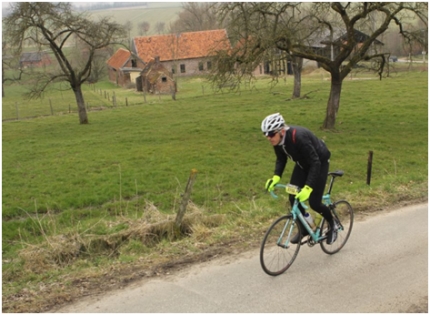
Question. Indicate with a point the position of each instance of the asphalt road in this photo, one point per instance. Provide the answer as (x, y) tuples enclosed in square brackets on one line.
[(382, 268)]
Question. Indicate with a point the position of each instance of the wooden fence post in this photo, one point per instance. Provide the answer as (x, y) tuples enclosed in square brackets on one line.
[(369, 167), (184, 202), (50, 105), (173, 92), (17, 111)]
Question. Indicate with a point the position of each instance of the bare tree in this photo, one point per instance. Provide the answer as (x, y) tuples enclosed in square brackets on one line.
[(128, 26), (159, 27), (56, 27), (144, 27), (196, 16), (11, 63), (325, 32), (252, 34)]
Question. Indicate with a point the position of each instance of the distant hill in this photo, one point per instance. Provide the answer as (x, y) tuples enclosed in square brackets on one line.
[(121, 12), (151, 12)]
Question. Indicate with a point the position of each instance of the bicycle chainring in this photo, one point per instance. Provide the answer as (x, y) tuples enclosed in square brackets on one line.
[(310, 241)]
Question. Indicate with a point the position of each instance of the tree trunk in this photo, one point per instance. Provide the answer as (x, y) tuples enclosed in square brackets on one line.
[(83, 118), (297, 64), (333, 102), (2, 82)]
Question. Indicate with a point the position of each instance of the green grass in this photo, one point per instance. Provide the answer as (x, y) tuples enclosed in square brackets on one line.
[(62, 178), (147, 151)]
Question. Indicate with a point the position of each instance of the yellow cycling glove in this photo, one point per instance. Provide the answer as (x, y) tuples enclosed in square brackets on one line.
[(271, 182), (304, 194)]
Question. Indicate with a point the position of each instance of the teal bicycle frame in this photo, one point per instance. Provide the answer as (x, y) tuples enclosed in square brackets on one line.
[(297, 214)]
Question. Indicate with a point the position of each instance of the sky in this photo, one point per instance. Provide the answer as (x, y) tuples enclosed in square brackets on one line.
[(5, 4)]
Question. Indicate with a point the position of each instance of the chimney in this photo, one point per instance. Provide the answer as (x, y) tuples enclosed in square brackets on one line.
[(157, 59)]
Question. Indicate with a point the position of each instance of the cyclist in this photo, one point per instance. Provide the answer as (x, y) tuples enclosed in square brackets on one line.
[(310, 172)]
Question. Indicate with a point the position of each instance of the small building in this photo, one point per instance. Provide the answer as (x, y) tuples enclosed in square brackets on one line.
[(124, 68), (34, 59), (156, 79)]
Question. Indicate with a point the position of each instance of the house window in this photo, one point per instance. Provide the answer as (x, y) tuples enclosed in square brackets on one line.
[(209, 65), (182, 68), (133, 63), (163, 79), (201, 66)]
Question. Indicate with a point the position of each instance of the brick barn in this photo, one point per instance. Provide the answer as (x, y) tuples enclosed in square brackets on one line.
[(34, 59), (157, 79)]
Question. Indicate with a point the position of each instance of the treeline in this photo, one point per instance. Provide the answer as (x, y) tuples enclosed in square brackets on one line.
[(108, 5)]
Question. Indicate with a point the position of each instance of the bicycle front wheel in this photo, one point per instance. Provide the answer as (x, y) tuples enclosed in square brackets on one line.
[(344, 218), (277, 253)]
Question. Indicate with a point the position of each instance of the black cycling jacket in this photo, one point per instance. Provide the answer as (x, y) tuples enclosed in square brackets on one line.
[(305, 149)]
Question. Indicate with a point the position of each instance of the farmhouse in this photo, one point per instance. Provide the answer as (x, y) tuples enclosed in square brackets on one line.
[(34, 59), (124, 68), (183, 54)]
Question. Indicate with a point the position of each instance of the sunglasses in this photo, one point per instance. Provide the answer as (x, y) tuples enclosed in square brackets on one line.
[(270, 134)]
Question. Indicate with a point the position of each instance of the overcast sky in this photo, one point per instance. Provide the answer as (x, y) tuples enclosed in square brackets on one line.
[(82, 3)]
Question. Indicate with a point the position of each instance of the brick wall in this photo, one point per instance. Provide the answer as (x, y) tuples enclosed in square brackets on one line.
[(187, 67)]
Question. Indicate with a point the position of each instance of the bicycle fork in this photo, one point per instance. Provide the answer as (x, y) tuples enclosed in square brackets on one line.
[(286, 244)]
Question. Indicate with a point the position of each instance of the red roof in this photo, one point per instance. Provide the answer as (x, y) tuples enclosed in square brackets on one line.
[(119, 58), (184, 46)]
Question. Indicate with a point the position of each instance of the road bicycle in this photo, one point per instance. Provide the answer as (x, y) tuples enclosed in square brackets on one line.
[(278, 253)]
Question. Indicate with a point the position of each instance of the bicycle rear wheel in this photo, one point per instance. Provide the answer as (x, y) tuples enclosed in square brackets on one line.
[(277, 253), (344, 218)]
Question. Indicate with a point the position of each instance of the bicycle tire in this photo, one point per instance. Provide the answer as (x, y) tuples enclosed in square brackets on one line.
[(275, 259), (343, 214)]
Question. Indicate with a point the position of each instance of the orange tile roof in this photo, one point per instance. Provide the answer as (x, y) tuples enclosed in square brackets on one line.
[(185, 46), (119, 58)]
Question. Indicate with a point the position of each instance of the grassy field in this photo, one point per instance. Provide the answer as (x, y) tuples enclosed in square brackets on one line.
[(64, 183)]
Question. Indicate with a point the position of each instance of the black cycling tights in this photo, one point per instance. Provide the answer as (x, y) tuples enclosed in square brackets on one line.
[(299, 177)]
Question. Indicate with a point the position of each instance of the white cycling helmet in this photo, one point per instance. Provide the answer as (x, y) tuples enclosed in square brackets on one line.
[(272, 123)]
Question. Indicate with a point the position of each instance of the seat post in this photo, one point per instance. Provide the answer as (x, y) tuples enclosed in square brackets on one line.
[(331, 184)]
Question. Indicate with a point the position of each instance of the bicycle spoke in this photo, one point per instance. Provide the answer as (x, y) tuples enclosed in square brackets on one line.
[(277, 252), (344, 218)]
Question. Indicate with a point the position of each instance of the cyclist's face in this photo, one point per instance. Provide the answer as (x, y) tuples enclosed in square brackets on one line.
[(275, 138)]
